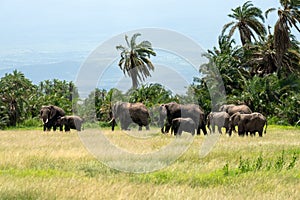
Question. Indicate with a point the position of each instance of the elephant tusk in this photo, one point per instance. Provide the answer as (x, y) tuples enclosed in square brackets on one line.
[(111, 120)]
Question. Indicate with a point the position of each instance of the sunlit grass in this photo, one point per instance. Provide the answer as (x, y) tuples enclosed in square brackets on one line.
[(56, 165)]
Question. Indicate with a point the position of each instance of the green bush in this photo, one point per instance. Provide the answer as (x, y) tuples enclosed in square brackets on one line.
[(33, 122)]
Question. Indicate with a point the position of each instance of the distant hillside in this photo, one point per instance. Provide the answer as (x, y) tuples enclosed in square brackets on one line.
[(66, 70)]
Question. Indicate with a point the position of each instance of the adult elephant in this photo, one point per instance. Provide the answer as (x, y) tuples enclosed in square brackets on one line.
[(248, 123), (219, 119), (49, 115), (174, 110), (70, 122), (130, 113), (232, 108)]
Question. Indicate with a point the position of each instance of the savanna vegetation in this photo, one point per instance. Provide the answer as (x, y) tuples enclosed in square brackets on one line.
[(36, 165), (261, 70)]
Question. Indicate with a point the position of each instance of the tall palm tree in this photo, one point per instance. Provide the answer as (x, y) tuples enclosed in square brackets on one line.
[(289, 16), (135, 59), (246, 21)]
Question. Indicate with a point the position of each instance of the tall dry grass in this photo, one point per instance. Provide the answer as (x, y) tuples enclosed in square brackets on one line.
[(54, 165)]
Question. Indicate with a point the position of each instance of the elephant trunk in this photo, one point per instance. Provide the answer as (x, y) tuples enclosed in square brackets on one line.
[(113, 123)]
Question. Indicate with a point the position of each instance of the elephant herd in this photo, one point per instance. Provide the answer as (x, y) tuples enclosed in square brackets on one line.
[(190, 118), (232, 115), (173, 117), (53, 117)]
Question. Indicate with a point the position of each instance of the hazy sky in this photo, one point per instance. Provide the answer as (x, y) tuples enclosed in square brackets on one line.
[(58, 25)]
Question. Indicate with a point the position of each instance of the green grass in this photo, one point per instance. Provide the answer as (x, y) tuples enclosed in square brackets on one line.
[(54, 165)]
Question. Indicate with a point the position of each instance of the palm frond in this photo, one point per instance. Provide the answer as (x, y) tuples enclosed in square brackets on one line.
[(133, 40), (269, 11), (135, 60)]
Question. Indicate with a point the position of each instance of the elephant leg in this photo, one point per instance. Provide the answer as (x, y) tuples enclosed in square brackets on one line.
[(54, 128), (260, 133), (147, 128), (167, 128), (179, 133), (124, 126), (193, 132), (226, 129), (176, 129), (198, 130), (233, 128), (140, 128), (209, 128), (220, 129), (67, 128), (213, 128), (241, 133), (203, 129)]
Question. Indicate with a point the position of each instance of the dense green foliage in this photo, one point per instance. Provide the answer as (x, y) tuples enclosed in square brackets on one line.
[(21, 100), (262, 72)]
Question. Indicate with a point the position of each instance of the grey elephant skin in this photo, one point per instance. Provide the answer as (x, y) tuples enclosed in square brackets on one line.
[(231, 109), (248, 123), (173, 110), (129, 113), (70, 122), (219, 119), (49, 115), (183, 124)]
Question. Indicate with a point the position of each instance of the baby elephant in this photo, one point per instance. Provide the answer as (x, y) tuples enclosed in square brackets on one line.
[(219, 119), (71, 122), (183, 124)]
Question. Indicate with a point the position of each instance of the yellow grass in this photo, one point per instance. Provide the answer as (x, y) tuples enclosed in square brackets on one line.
[(54, 165)]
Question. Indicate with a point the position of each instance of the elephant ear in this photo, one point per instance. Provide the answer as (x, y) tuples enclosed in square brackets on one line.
[(117, 109), (163, 109), (237, 117), (53, 112), (222, 108)]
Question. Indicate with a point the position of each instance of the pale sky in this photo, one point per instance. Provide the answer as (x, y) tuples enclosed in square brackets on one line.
[(58, 25)]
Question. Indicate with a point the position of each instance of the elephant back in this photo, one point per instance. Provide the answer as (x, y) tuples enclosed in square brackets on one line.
[(139, 113)]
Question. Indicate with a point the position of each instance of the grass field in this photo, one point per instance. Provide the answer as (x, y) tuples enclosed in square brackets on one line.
[(54, 165)]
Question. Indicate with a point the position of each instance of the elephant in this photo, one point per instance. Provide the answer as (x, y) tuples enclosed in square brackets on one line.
[(219, 119), (246, 123), (70, 122), (231, 109), (49, 115), (183, 124), (128, 113), (174, 110)]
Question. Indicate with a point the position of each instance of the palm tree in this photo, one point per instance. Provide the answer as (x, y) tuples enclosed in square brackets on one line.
[(262, 57), (289, 16), (229, 60), (135, 59), (246, 21)]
